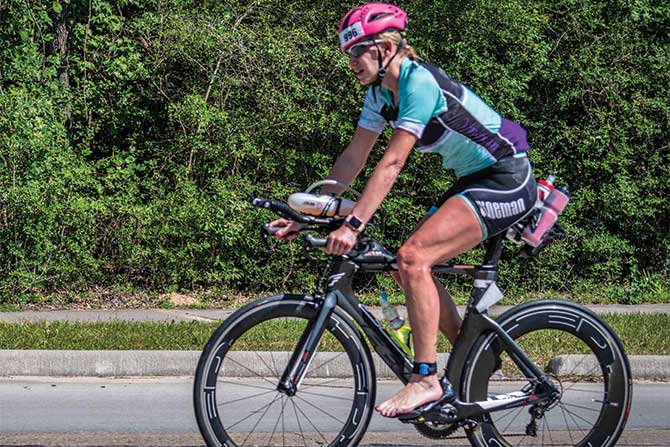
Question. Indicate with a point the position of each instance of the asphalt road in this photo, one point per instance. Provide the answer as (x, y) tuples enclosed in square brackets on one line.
[(141, 412)]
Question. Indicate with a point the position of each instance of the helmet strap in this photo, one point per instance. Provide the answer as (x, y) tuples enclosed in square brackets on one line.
[(381, 71)]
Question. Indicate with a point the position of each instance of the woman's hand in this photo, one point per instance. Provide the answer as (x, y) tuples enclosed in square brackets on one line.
[(341, 241), (289, 231)]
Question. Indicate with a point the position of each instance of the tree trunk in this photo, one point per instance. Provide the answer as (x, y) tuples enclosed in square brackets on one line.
[(60, 47)]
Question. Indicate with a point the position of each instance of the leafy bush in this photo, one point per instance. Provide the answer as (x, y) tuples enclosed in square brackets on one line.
[(130, 131)]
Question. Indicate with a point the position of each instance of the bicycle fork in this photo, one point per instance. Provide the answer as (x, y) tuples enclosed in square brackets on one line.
[(304, 353)]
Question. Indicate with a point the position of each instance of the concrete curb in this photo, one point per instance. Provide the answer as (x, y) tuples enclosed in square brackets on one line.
[(183, 363), (72, 363)]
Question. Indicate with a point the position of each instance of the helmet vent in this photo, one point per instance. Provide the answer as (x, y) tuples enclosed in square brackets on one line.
[(379, 16), (345, 22)]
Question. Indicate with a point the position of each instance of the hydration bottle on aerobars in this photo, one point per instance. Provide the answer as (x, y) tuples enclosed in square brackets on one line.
[(320, 204), (400, 332), (553, 205)]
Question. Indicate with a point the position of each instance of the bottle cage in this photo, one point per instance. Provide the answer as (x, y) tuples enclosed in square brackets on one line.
[(555, 233), (323, 205)]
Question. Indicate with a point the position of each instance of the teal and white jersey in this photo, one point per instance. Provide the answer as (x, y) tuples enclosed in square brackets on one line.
[(447, 118)]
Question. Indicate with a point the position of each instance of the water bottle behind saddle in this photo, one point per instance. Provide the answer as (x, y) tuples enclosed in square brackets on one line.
[(553, 202), (540, 228)]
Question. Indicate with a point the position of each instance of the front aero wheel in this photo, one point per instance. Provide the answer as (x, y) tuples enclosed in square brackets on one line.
[(582, 357), (237, 402)]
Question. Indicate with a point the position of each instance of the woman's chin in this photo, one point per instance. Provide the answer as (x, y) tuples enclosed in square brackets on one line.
[(364, 79)]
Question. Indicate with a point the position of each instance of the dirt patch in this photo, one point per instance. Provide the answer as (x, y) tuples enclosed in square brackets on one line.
[(100, 298), (179, 299)]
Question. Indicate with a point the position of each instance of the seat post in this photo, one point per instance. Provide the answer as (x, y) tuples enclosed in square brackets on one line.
[(493, 251)]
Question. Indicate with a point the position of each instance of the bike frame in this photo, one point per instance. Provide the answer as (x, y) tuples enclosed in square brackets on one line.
[(476, 322)]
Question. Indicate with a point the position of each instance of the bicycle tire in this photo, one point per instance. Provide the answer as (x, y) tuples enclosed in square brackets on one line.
[(584, 357), (283, 420)]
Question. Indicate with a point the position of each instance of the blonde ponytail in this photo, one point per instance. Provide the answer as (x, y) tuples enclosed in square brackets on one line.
[(396, 37)]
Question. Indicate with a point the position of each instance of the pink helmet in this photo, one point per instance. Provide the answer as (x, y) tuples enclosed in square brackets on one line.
[(369, 19)]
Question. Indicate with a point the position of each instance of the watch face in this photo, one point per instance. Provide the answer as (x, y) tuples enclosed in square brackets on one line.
[(354, 222)]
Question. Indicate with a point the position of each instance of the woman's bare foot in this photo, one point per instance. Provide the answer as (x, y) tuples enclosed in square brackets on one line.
[(419, 391)]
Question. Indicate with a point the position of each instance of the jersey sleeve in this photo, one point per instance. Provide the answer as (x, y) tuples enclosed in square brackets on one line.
[(419, 101), (371, 118)]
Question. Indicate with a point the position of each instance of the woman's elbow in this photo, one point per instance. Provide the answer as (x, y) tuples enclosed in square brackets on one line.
[(394, 166)]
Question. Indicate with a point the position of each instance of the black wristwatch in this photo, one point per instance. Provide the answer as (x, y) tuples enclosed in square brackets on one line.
[(354, 223)]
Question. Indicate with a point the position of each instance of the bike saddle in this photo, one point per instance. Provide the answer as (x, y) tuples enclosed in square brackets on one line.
[(437, 411)]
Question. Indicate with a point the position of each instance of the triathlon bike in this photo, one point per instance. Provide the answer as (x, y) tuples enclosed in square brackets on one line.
[(546, 372)]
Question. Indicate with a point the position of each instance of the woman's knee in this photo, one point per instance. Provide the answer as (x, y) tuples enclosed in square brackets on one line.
[(410, 259)]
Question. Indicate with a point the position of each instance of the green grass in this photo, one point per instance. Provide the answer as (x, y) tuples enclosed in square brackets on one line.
[(641, 334), (108, 335), (8, 307)]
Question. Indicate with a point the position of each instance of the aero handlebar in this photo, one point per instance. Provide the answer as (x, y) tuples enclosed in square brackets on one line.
[(284, 210)]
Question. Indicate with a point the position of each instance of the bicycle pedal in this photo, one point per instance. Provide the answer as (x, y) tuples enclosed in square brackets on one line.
[(440, 414), (440, 410), (432, 411), (445, 414), (407, 419)]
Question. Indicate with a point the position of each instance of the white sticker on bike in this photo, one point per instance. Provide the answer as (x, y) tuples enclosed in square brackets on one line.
[(334, 279)]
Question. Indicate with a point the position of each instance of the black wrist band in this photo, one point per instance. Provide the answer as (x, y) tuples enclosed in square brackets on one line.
[(424, 369)]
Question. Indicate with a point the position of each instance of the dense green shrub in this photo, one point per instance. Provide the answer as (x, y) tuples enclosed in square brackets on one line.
[(130, 131)]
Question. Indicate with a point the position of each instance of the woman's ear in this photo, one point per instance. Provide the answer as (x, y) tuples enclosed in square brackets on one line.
[(388, 47)]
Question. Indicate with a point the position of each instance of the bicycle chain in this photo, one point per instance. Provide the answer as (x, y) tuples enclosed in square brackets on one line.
[(442, 431), (445, 431)]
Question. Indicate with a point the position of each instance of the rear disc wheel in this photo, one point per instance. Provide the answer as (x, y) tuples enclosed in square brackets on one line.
[(583, 358)]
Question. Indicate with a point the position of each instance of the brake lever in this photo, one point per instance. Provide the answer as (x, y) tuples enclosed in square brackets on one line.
[(312, 242), (267, 230), (315, 242), (265, 236)]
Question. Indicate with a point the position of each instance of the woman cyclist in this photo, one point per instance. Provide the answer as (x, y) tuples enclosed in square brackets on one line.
[(429, 111)]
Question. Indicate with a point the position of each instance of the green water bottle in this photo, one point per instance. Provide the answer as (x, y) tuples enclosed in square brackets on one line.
[(400, 332)]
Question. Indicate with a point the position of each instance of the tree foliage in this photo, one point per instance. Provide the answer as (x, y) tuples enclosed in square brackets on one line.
[(130, 131)]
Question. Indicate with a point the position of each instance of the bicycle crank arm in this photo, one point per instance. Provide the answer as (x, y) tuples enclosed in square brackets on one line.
[(458, 411)]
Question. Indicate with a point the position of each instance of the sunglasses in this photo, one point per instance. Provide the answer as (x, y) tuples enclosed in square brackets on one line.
[(360, 48)]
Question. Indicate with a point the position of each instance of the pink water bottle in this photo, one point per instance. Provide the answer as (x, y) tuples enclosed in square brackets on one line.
[(545, 187), (553, 205)]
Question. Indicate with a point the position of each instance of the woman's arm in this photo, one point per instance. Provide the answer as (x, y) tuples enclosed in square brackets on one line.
[(351, 161), (384, 176), (345, 170)]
